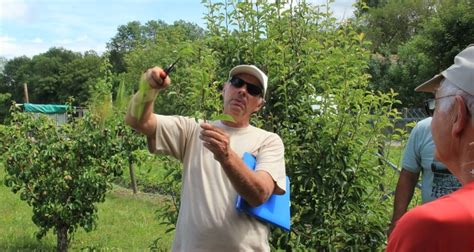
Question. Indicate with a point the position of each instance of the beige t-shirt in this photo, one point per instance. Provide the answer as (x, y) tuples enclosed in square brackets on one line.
[(208, 219)]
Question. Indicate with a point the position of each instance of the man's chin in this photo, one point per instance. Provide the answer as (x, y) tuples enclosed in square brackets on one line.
[(235, 112)]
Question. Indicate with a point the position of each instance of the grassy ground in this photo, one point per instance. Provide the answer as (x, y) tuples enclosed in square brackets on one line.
[(126, 222)]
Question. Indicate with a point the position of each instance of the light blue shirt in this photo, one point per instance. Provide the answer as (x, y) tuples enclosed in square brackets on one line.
[(419, 156)]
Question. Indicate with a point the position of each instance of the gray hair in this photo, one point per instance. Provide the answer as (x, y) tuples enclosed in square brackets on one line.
[(447, 88)]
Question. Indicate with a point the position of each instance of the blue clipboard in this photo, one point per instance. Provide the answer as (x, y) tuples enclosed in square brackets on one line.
[(276, 210)]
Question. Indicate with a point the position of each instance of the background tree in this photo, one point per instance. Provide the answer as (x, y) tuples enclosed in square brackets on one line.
[(3, 61), (431, 50), (129, 36), (15, 73), (79, 76), (52, 77), (63, 171), (387, 24), (136, 36), (45, 72)]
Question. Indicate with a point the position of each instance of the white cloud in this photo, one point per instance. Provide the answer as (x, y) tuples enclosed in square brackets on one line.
[(11, 47), (341, 9), (63, 42), (7, 46), (14, 9), (83, 38), (37, 40), (77, 40), (6, 39)]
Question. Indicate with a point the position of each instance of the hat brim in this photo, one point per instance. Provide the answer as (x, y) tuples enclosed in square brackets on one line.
[(431, 85)]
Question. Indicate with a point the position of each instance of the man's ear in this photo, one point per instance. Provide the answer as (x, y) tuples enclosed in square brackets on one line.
[(461, 117), (260, 105), (224, 87)]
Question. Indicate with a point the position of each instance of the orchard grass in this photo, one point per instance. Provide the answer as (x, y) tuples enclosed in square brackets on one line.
[(126, 222)]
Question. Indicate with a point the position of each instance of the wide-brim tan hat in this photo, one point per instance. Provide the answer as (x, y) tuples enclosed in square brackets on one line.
[(254, 71), (461, 73)]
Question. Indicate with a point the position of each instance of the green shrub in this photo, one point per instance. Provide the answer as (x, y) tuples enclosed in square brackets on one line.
[(61, 171)]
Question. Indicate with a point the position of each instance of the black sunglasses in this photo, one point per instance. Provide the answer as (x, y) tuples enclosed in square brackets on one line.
[(252, 89)]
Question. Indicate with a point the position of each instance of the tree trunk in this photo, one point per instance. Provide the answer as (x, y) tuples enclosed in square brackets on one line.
[(132, 174), (62, 244)]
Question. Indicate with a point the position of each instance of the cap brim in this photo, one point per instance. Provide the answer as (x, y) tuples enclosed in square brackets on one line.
[(430, 85)]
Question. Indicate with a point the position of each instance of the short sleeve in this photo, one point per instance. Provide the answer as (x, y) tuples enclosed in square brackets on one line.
[(412, 154), (172, 135), (271, 158)]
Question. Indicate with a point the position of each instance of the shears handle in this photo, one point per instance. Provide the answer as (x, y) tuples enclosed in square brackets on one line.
[(168, 70)]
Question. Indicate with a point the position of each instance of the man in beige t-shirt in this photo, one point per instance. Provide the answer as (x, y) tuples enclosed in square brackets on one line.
[(213, 170)]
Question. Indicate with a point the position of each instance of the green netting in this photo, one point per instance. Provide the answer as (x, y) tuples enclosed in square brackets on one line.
[(45, 108)]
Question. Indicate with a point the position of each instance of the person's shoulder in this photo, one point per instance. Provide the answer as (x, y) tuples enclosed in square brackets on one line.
[(264, 132), (173, 117), (268, 135), (422, 128), (438, 212), (421, 220), (424, 124), (177, 119)]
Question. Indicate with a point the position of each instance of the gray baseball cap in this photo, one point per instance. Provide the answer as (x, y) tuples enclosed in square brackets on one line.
[(461, 73)]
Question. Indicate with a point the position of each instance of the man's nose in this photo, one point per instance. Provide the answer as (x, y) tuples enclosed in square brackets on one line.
[(243, 89)]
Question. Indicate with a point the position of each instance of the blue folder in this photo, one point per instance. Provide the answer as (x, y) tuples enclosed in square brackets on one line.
[(276, 210)]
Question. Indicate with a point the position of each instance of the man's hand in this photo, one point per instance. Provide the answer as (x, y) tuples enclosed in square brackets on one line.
[(152, 76), (140, 109), (217, 141)]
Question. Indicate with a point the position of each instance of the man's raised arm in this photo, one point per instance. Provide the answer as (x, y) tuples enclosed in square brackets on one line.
[(140, 109)]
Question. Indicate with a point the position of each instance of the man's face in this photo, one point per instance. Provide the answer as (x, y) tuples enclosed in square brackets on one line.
[(241, 102)]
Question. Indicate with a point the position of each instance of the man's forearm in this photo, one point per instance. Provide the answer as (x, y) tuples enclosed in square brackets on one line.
[(140, 109), (140, 112), (254, 187), (403, 193)]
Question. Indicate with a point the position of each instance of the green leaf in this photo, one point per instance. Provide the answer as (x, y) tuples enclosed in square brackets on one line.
[(223, 117)]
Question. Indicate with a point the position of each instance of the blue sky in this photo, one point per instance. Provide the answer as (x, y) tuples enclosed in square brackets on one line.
[(30, 27)]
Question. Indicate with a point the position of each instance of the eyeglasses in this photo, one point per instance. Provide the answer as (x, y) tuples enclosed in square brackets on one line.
[(430, 104), (252, 89)]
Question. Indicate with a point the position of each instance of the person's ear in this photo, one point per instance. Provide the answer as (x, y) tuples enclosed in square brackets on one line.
[(461, 116), (224, 88), (260, 105)]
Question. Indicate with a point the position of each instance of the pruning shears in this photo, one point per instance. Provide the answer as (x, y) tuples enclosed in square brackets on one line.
[(168, 70)]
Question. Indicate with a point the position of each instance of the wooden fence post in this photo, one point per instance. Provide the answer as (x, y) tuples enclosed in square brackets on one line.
[(25, 89)]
